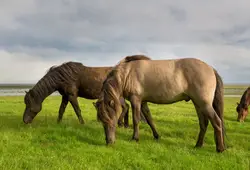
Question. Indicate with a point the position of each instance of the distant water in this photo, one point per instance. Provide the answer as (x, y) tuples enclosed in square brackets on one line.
[(21, 92), (232, 95), (16, 92)]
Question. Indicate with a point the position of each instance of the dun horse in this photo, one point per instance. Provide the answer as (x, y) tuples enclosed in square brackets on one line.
[(242, 107), (71, 79), (140, 80)]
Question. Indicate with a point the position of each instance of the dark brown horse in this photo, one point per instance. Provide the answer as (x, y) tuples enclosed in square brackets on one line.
[(71, 80), (242, 107), (140, 79)]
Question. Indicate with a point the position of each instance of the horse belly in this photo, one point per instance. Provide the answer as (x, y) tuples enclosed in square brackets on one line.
[(166, 89), (166, 98), (89, 93)]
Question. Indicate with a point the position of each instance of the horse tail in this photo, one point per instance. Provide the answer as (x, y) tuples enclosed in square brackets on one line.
[(218, 102)]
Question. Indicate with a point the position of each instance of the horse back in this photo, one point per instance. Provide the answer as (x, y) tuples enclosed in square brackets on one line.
[(170, 80), (91, 81)]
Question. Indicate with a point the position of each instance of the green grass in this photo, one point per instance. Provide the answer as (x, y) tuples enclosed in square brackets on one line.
[(47, 145)]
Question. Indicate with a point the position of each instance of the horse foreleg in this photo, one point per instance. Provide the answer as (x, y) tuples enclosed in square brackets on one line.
[(63, 106), (136, 110), (75, 105), (146, 112)]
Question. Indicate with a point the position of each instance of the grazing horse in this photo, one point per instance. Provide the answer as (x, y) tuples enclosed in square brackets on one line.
[(242, 107), (140, 80), (71, 79)]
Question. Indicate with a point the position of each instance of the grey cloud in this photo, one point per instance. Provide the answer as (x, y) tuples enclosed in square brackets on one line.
[(89, 31), (140, 21)]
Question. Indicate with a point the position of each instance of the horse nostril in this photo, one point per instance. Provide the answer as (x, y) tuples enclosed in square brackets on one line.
[(27, 120)]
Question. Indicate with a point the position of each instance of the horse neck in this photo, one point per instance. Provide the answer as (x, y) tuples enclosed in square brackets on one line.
[(43, 89), (115, 88), (124, 81), (116, 81), (120, 84), (245, 99)]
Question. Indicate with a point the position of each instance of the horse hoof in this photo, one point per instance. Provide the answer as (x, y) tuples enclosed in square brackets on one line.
[(219, 150), (109, 144), (120, 125), (126, 126), (135, 139), (82, 122), (157, 137), (198, 145)]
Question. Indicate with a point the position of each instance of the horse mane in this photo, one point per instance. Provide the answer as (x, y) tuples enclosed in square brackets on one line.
[(126, 59), (51, 68), (56, 75), (134, 58), (108, 93), (111, 84)]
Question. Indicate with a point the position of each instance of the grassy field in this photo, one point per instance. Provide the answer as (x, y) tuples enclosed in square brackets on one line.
[(69, 145)]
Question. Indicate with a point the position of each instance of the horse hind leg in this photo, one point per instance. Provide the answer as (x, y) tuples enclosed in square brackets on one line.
[(203, 122), (126, 116), (143, 118), (216, 122), (63, 106), (75, 105)]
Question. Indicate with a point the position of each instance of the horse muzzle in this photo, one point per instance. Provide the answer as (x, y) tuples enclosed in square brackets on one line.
[(27, 120)]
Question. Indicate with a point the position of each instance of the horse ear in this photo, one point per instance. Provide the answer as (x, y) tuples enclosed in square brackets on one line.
[(25, 91), (238, 103), (112, 103)]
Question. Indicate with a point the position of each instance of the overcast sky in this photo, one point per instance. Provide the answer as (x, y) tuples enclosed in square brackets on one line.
[(36, 34)]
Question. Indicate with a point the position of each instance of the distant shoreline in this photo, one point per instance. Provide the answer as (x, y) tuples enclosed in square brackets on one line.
[(30, 85), (16, 86), (230, 90), (16, 90)]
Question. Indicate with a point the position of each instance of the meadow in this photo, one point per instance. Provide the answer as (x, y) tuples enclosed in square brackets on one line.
[(47, 145)]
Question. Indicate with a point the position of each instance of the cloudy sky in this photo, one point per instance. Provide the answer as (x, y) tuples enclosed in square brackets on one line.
[(36, 34)]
